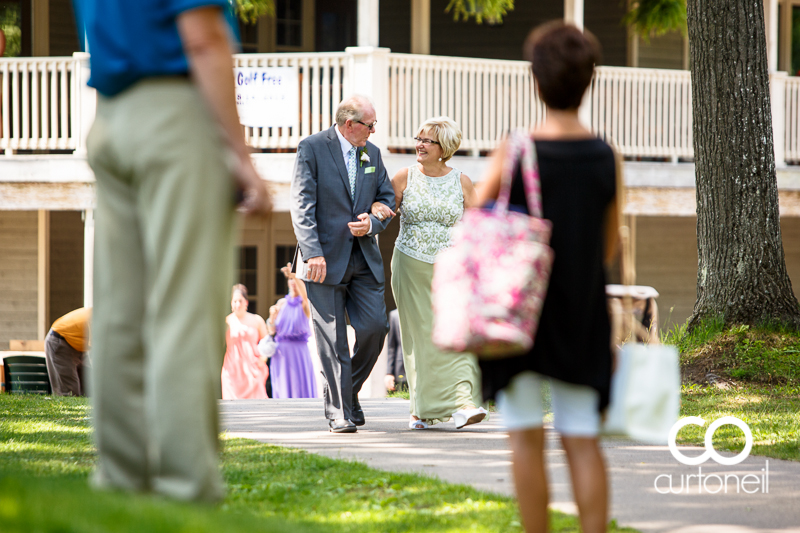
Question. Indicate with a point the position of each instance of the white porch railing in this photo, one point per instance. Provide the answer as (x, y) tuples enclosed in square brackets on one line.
[(39, 103), (45, 104), (645, 112), (321, 76), (485, 97)]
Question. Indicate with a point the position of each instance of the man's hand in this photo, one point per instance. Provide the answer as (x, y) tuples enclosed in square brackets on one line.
[(317, 269), (256, 198), (388, 380), (360, 228)]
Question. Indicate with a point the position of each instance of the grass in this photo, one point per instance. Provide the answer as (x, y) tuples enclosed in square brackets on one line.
[(46, 455), (752, 373)]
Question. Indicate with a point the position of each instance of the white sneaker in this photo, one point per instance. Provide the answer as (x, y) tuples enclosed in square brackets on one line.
[(417, 424), (465, 417)]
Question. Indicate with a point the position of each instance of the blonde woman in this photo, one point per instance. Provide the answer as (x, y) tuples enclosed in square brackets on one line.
[(431, 197)]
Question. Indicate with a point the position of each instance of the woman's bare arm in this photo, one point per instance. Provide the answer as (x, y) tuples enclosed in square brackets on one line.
[(489, 187)]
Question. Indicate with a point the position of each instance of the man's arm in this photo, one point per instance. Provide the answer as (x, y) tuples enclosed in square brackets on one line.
[(304, 202), (204, 34), (385, 196)]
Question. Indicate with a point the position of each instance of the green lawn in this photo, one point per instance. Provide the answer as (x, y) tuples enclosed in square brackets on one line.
[(46, 455), (756, 375)]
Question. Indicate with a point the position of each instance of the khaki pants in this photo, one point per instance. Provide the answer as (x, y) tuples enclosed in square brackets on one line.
[(163, 264)]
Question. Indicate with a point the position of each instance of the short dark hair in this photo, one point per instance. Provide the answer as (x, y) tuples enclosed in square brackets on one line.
[(562, 61)]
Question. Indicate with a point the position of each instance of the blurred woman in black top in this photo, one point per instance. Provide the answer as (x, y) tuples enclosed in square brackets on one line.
[(572, 347)]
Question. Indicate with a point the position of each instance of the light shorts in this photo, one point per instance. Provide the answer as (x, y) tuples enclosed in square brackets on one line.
[(575, 411)]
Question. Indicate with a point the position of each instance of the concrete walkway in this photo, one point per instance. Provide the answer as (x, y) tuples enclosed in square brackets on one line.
[(479, 456)]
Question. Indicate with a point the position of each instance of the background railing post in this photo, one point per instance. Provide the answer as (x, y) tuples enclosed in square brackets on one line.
[(86, 103), (777, 96), (368, 75)]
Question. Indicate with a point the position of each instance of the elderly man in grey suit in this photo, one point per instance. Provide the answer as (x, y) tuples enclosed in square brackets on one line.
[(338, 175)]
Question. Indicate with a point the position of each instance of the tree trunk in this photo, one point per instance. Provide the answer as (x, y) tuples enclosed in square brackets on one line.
[(741, 273)]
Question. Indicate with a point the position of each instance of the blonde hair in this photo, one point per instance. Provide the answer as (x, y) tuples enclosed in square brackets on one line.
[(447, 134)]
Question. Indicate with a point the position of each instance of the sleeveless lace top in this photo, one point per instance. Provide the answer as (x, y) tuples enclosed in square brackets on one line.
[(430, 208)]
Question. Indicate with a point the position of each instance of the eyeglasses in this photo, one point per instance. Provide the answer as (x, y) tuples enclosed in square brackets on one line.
[(369, 126), (426, 142)]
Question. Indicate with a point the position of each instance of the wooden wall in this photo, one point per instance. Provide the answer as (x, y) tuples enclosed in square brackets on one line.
[(18, 276), (63, 34), (665, 51), (66, 263), (666, 258)]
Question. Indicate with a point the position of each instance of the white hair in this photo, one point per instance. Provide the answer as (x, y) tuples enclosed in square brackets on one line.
[(352, 108)]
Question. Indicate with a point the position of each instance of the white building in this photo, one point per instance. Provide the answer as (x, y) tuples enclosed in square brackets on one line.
[(415, 62)]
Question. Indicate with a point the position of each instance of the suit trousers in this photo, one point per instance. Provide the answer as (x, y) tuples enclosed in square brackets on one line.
[(163, 263), (358, 297)]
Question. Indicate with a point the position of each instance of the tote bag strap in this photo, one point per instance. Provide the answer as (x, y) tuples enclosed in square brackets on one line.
[(521, 151)]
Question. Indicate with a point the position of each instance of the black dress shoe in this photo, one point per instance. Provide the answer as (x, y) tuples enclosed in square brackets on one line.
[(342, 426), (356, 414)]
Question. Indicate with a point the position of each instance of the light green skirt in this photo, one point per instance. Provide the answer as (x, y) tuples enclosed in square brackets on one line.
[(439, 383)]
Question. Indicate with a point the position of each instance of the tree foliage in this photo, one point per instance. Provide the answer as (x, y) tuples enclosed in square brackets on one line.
[(491, 11), (251, 10), (656, 17)]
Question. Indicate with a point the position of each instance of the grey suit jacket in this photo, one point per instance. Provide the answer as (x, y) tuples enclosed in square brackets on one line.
[(321, 205)]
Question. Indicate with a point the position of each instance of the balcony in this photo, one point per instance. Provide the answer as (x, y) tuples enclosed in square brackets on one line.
[(46, 105)]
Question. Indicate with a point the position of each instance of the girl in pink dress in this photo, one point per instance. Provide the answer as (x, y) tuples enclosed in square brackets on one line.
[(244, 372)]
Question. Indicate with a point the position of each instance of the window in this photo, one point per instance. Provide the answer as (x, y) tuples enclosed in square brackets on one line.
[(795, 41), (248, 274), (289, 23), (248, 34)]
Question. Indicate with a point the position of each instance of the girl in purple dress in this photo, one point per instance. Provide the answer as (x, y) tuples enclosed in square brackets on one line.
[(291, 367)]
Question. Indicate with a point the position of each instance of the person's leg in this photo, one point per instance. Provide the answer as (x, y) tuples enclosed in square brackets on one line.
[(67, 362), (51, 346), (589, 484), (520, 404), (186, 209), (116, 380), (366, 310), (330, 330), (402, 297), (530, 477), (578, 422)]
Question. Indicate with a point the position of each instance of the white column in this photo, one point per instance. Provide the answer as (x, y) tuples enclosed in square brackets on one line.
[(777, 96), (369, 69), (368, 23), (771, 26), (88, 257), (573, 12), (421, 27), (87, 103)]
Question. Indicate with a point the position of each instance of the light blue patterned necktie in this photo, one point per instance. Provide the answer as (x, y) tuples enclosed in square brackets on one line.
[(351, 171)]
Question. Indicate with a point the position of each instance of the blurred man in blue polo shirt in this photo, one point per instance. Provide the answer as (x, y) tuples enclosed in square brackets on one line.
[(169, 157)]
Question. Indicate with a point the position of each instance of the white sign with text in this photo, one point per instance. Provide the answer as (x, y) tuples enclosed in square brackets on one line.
[(267, 96)]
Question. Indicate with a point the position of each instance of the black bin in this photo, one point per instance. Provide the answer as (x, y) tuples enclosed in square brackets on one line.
[(26, 373)]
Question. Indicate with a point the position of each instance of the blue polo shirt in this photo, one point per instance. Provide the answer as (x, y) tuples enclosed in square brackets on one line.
[(133, 39)]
